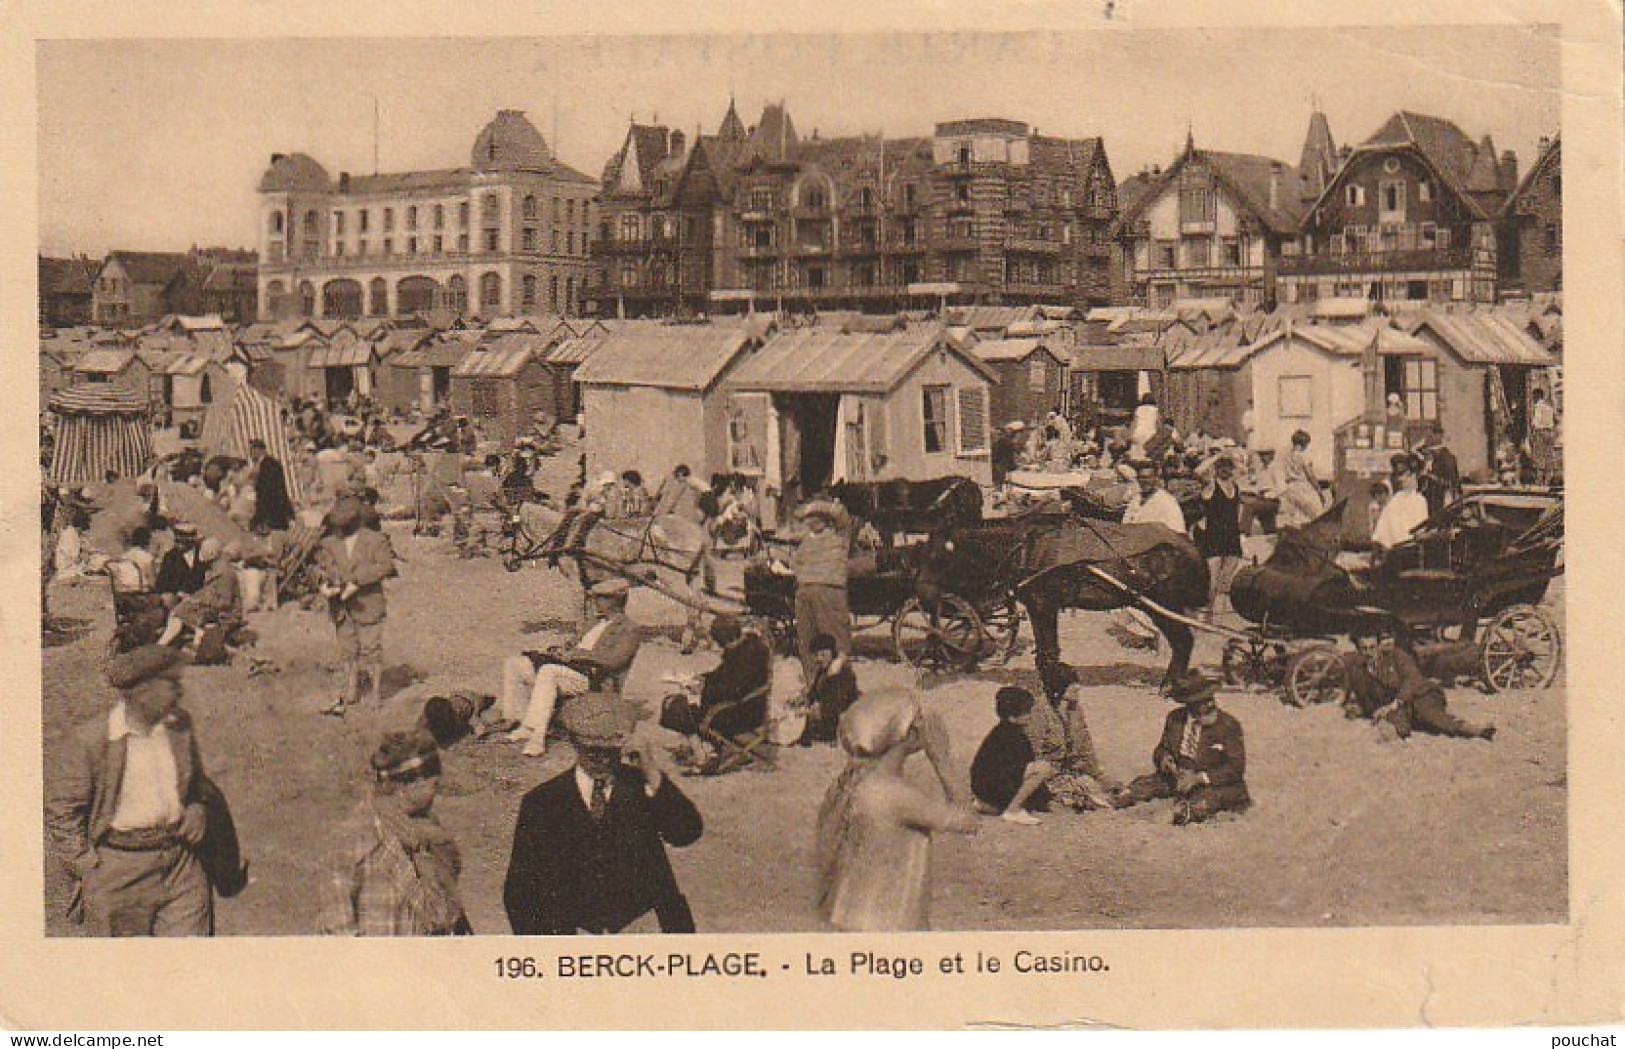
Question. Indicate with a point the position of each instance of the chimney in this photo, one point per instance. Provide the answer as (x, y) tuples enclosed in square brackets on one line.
[(275, 157), (1275, 185), (1545, 144), (344, 182), (1509, 170), (675, 144)]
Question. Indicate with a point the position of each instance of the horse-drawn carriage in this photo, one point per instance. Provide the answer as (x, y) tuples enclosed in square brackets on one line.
[(1465, 589), (939, 627)]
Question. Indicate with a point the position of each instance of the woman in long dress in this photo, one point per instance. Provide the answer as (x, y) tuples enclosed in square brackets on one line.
[(875, 827)]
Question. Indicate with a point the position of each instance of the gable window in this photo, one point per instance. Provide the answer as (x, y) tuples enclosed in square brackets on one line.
[(1421, 388), (1354, 195), (1037, 374), (1424, 191), (1392, 199), (934, 418), (1232, 251)]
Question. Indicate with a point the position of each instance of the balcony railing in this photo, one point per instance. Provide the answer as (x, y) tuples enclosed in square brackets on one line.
[(1378, 262), (759, 251), (899, 245), (637, 245), (956, 244), (1032, 245)]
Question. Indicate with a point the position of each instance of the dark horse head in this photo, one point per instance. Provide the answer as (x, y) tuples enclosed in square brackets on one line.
[(912, 506)]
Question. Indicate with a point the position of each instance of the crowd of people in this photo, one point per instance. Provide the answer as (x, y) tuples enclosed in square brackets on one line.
[(138, 823)]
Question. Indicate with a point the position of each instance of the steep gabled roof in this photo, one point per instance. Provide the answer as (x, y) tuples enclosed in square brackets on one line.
[(689, 357), (150, 267), (1246, 176), (819, 360), (773, 141), (732, 128), (1468, 169)]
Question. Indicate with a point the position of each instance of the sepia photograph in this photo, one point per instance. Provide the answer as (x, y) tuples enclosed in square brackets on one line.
[(778, 483)]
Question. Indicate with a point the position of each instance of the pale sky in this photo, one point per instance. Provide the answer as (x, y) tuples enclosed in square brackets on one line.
[(158, 145)]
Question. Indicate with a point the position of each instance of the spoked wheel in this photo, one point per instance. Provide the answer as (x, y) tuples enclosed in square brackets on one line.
[(1522, 648), (946, 635), (1316, 675), (1002, 622), (1260, 664)]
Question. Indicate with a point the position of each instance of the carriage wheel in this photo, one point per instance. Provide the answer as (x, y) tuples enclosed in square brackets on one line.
[(1253, 663), (947, 635), (1522, 648), (1316, 675), (1002, 623)]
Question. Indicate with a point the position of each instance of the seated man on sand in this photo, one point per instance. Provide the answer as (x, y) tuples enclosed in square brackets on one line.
[(533, 683)]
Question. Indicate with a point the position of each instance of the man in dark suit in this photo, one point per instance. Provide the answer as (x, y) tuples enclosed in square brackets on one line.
[(354, 562), (128, 809), (273, 510), (181, 571), (589, 848), (746, 667), (1201, 758)]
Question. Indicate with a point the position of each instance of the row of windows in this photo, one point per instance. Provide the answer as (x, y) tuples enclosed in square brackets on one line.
[(343, 297), (567, 211), (438, 244), (1390, 194), (1198, 252)]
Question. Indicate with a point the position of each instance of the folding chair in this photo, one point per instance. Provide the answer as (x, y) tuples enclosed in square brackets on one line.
[(742, 751)]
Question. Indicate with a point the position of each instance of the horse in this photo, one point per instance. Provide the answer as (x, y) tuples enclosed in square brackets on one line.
[(899, 505), (1057, 563), (664, 553)]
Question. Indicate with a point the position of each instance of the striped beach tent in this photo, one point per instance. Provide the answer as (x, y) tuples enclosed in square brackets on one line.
[(247, 414), (98, 430)]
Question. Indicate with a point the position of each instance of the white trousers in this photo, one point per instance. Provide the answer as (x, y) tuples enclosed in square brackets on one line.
[(529, 695)]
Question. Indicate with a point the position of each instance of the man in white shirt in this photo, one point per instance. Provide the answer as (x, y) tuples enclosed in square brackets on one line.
[(1154, 504), (125, 810), (1407, 509), (534, 682)]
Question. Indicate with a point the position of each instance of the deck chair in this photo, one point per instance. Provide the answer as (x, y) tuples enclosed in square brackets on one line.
[(737, 752)]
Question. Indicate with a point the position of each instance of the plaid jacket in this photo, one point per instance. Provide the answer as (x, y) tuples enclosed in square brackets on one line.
[(372, 889)]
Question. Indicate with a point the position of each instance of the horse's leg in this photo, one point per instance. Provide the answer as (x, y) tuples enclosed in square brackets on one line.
[(1044, 612), (1181, 641)]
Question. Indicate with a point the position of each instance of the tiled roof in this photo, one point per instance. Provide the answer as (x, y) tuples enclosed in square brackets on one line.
[(151, 267), (450, 179), (575, 349), (1481, 336), (355, 355), (433, 355), (1007, 349), (105, 362), (497, 362), (815, 360), (1447, 148), (667, 356)]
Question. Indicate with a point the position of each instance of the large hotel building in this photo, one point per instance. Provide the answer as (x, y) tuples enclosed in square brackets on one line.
[(510, 233)]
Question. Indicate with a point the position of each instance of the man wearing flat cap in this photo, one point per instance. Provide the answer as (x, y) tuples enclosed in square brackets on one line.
[(1200, 760), (589, 847), (534, 682), (127, 813), (354, 562)]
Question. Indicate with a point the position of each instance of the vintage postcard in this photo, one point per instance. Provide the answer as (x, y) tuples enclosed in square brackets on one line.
[(1049, 515)]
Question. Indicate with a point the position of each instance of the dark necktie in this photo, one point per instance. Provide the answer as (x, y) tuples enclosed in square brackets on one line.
[(600, 799)]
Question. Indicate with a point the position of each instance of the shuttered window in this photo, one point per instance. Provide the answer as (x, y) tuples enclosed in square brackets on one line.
[(935, 418), (973, 420)]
